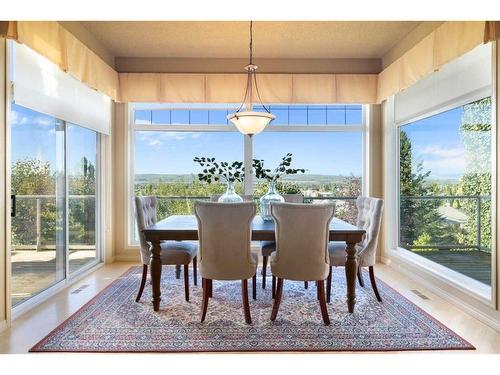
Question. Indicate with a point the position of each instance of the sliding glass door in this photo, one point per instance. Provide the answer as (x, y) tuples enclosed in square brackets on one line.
[(38, 203), (54, 201)]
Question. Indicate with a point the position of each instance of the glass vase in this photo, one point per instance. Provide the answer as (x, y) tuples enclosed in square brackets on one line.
[(230, 195), (266, 200)]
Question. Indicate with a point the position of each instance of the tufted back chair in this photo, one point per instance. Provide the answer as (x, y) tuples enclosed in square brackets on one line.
[(145, 213), (369, 218), (302, 233), (246, 198), (224, 233)]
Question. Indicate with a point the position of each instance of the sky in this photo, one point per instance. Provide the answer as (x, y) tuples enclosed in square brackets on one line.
[(436, 141), (34, 136)]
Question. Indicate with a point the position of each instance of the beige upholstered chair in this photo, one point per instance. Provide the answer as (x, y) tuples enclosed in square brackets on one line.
[(246, 198), (302, 232), (172, 252), (224, 233), (369, 218), (269, 247)]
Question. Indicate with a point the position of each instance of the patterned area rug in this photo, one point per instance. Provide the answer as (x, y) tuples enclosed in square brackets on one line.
[(114, 322)]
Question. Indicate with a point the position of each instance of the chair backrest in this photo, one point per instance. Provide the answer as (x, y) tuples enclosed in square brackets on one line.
[(246, 198), (302, 233), (224, 234), (145, 213), (293, 198), (370, 212)]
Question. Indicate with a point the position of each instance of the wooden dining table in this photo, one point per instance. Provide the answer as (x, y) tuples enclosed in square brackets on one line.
[(185, 228)]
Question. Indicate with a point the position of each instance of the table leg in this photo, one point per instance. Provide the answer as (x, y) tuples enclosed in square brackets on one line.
[(156, 274), (351, 269)]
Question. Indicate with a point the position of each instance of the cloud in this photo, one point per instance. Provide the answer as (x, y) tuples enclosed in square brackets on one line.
[(158, 139), (441, 152), (17, 118)]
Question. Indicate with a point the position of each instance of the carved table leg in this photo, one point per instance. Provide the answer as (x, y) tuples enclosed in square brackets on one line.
[(351, 270), (156, 274)]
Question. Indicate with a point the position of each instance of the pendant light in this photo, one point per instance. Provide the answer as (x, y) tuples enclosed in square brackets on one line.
[(246, 120)]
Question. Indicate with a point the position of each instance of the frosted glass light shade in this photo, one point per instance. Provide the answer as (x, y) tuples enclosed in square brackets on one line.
[(249, 122)]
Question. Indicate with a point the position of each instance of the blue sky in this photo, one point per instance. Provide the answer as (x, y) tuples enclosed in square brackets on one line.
[(437, 143), (337, 153), (34, 136)]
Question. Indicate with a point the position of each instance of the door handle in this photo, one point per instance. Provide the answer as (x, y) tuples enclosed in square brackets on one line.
[(12, 205)]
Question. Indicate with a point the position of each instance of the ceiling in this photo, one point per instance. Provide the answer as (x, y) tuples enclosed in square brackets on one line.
[(222, 39)]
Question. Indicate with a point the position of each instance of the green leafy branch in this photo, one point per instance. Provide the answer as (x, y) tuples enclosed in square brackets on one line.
[(282, 169), (220, 171)]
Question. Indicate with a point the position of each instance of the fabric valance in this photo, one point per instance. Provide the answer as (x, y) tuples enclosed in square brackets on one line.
[(448, 42), (230, 88), (51, 40)]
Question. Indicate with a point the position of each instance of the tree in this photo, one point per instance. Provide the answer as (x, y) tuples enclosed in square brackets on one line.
[(420, 221)]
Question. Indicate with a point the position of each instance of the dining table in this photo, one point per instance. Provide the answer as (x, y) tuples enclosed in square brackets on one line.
[(185, 228)]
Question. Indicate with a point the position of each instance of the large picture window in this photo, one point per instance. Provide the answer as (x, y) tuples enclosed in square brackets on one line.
[(445, 187), (326, 140)]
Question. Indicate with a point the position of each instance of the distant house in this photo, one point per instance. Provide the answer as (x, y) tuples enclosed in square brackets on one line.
[(452, 215)]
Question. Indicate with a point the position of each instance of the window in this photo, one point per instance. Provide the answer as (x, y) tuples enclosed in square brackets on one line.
[(327, 140), (445, 163)]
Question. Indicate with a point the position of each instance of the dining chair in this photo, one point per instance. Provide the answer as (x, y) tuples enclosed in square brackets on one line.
[(369, 218), (269, 247), (302, 232), (172, 252), (224, 233), (246, 198)]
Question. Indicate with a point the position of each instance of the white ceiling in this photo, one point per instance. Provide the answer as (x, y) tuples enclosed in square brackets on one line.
[(214, 39)]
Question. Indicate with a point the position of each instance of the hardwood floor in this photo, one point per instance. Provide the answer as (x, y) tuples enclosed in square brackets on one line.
[(35, 324)]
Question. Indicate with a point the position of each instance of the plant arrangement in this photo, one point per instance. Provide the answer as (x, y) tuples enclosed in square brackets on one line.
[(220, 171), (282, 169)]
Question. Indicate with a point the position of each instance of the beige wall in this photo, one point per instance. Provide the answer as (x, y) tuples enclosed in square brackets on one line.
[(3, 207), (213, 65)]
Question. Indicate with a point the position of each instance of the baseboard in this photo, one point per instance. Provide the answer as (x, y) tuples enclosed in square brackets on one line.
[(428, 281)]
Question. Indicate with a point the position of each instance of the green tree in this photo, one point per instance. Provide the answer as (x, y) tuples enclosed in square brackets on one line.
[(420, 221)]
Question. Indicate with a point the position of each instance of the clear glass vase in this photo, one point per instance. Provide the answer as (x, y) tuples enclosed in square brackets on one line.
[(266, 200), (230, 195)]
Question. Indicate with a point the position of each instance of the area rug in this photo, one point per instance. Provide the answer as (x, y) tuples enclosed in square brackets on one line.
[(114, 322)]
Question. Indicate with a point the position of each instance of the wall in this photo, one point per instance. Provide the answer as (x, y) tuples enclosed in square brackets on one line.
[(3, 214)]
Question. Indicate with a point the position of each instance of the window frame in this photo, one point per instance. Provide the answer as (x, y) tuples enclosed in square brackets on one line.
[(247, 149), (484, 292)]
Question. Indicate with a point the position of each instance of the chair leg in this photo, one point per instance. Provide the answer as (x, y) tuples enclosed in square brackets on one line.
[(254, 286), (322, 302), (374, 284), (246, 304), (306, 284), (186, 282), (178, 271), (329, 286), (273, 289), (195, 271), (317, 290), (204, 303), (264, 271), (360, 278), (143, 282), (277, 299), (210, 288)]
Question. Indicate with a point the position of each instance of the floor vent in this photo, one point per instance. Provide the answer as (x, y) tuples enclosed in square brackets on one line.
[(423, 296), (76, 291)]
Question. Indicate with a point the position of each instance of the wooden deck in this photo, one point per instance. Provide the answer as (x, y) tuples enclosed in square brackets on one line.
[(34, 271), (472, 263)]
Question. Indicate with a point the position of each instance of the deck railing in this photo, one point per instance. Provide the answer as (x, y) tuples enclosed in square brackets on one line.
[(479, 201)]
